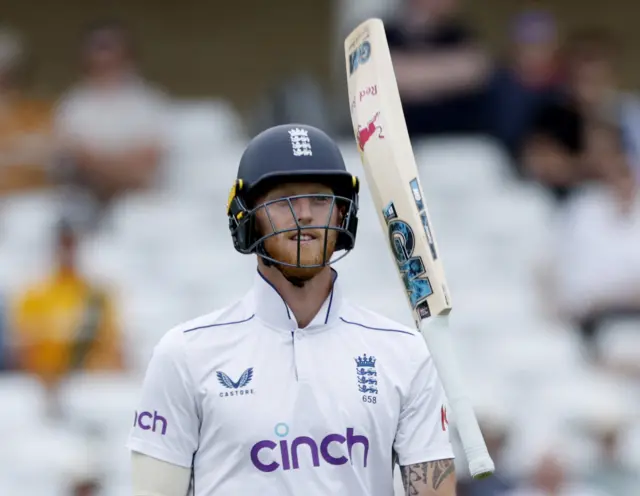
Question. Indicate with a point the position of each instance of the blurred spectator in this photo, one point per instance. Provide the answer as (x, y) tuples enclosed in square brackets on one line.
[(550, 478), (87, 487), (26, 143), (592, 59), (594, 270), (557, 142), (526, 81), (441, 68), (495, 431), (610, 473), (112, 123), (65, 323)]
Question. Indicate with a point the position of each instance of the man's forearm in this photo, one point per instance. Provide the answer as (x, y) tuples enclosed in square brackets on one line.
[(133, 169), (153, 477), (433, 75), (436, 478)]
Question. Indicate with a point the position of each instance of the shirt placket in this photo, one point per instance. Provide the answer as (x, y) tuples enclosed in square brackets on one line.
[(300, 355)]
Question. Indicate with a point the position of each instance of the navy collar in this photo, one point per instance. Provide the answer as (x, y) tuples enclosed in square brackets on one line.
[(272, 309)]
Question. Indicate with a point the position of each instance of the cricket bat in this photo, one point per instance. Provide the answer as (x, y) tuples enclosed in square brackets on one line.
[(392, 177)]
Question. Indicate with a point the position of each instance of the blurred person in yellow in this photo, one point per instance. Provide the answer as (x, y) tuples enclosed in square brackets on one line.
[(26, 141), (111, 124), (66, 323)]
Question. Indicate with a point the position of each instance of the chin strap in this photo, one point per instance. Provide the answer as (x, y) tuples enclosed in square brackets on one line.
[(262, 253), (296, 281)]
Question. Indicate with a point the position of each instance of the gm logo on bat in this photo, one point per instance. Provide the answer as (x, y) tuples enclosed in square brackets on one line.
[(412, 269), (359, 56)]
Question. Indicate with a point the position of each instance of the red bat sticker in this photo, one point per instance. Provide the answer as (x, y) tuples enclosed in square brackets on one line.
[(365, 133)]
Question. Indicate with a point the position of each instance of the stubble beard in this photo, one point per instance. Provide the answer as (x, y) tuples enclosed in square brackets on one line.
[(312, 257)]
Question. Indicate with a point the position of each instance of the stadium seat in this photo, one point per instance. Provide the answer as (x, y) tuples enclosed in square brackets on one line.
[(206, 143), (202, 124), (26, 228), (630, 447), (21, 265), (477, 168), (29, 218), (619, 340), (104, 403), (44, 460), (161, 217), (24, 403), (117, 486), (591, 400)]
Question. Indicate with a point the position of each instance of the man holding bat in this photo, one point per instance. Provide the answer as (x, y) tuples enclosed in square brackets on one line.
[(292, 390)]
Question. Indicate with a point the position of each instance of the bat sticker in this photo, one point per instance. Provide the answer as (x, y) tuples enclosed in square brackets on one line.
[(389, 212), (417, 196), (412, 269), (365, 133), (359, 56)]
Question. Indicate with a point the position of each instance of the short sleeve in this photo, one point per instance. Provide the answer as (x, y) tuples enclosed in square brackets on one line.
[(166, 422), (422, 434)]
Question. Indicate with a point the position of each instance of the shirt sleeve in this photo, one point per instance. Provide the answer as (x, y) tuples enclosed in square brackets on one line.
[(423, 434), (167, 421)]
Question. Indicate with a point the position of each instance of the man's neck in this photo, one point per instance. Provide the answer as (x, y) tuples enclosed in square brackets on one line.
[(304, 301)]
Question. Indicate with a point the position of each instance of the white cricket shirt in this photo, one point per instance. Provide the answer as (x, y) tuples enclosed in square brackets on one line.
[(256, 406)]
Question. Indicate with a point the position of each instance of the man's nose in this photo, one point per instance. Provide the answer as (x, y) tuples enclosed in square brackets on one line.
[(303, 211)]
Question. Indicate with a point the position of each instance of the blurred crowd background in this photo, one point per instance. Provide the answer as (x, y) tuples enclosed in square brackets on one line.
[(121, 128)]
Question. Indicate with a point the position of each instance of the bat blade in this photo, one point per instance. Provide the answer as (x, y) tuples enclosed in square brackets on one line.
[(391, 173)]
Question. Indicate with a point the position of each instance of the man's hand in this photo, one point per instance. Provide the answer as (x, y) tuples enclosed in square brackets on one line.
[(436, 478)]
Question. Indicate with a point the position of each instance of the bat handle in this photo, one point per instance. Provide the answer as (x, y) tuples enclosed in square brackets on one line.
[(436, 333)]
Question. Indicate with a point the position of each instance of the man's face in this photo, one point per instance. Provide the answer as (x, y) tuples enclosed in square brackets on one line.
[(105, 52), (534, 56), (295, 216)]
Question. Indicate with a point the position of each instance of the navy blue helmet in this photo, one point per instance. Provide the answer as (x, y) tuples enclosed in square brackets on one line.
[(284, 154)]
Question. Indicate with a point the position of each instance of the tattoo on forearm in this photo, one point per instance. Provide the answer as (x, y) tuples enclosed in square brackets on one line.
[(414, 477), (441, 470), (428, 475)]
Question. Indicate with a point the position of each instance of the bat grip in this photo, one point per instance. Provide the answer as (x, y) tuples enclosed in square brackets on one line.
[(436, 333)]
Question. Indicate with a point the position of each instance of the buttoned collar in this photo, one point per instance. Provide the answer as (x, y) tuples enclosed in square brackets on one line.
[(271, 308)]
